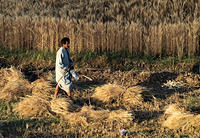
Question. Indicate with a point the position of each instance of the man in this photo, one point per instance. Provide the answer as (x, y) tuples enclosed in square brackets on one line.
[(63, 66)]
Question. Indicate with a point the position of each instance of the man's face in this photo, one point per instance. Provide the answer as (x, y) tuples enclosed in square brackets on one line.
[(66, 45)]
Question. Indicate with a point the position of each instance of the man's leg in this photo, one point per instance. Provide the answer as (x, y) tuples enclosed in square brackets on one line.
[(69, 93), (56, 91), (69, 89)]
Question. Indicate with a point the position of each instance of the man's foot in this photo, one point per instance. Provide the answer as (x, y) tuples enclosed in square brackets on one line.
[(56, 91), (69, 94)]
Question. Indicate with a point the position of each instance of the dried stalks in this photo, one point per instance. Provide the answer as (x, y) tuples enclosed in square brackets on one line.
[(107, 93), (89, 115), (13, 85), (133, 95), (63, 106), (33, 106), (15, 89), (177, 118), (42, 88), (9, 74)]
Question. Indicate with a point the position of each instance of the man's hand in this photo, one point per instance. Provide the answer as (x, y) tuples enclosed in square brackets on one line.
[(70, 68)]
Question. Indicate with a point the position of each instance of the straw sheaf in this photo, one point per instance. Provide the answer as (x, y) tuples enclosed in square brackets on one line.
[(33, 106), (86, 115), (75, 119), (63, 106), (3, 80), (15, 89), (93, 115), (178, 119), (191, 79), (120, 116), (107, 93), (89, 115), (42, 88), (9, 74), (133, 95)]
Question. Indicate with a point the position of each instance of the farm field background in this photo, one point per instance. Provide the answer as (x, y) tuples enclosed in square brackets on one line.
[(159, 28), (142, 56)]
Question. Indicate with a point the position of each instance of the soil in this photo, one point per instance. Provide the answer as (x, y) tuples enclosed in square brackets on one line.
[(165, 85)]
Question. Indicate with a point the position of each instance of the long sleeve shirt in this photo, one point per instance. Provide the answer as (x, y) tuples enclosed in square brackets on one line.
[(63, 62)]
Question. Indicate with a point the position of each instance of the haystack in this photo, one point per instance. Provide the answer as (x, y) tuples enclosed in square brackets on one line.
[(107, 93), (13, 85), (89, 115), (9, 74), (133, 95), (188, 78), (42, 88), (93, 115), (63, 106), (86, 115), (15, 89), (177, 118), (33, 106), (120, 116), (75, 119)]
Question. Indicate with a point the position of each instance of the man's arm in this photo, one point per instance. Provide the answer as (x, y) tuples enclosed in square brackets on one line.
[(60, 57)]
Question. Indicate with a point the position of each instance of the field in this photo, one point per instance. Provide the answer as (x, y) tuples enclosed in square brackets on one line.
[(159, 28), (141, 58), (145, 99)]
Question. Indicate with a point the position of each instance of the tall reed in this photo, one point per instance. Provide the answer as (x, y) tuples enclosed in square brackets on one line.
[(180, 39)]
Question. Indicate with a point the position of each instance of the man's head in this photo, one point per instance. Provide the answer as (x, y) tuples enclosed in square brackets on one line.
[(65, 42)]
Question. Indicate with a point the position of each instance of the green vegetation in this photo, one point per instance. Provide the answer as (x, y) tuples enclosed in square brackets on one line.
[(35, 59), (19, 57), (135, 41), (193, 104)]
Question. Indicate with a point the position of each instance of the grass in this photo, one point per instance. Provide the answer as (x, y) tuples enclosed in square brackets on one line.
[(123, 61), (3, 109), (17, 57), (192, 104), (13, 126), (26, 127)]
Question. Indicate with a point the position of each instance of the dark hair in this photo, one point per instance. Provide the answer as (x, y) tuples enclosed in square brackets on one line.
[(64, 40)]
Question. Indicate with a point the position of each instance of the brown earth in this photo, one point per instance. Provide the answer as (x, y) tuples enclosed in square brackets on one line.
[(164, 85)]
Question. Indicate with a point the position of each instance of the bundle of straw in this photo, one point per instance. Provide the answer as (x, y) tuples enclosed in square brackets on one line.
[(15, 89), (33, 106), (9, 74), (13, 85), (86, 115), (107, 93), (179, 119), (75, 119), (3, 79), (133, 95), (120, 116), (89, 115), (93, 115), (63, 106), (42, 88)]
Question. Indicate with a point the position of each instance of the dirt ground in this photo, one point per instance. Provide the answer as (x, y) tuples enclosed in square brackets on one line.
[(164, 86)]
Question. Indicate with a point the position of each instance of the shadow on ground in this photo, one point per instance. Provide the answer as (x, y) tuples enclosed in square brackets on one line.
[(156, 81)]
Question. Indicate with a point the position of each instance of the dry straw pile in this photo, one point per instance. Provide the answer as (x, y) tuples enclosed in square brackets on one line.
[(177, 118), (107, 93), (9, 74), (42, 88), (63, 106), (13, 85), (89, 115), (33, 106), (133, 95)]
